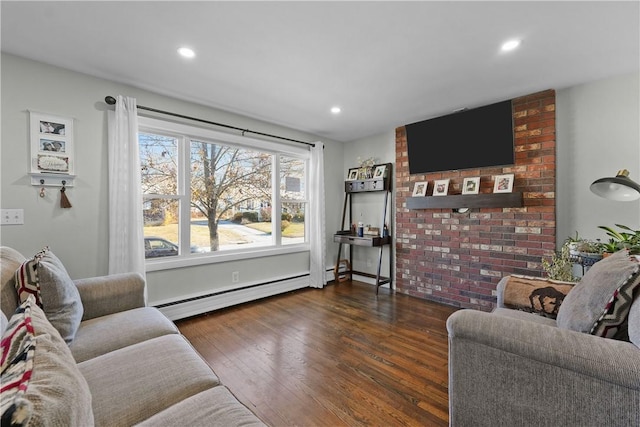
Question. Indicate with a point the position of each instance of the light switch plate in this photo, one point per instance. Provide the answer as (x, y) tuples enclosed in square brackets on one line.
[(11, 216)]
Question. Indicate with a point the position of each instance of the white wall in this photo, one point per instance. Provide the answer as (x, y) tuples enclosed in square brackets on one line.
[(598, 133), (79, 235)]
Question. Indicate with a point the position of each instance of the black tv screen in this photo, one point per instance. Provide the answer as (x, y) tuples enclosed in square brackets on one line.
[(468, 139)]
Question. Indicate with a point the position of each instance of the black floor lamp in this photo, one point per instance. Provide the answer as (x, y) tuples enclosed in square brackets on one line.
[(620, 187)]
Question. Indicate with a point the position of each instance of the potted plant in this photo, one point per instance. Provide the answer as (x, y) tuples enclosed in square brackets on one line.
[(590, 252), (573, 243), (628, 238), (560, 267)]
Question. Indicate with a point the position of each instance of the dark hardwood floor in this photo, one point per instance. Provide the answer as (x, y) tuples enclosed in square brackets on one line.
[(338, 356)]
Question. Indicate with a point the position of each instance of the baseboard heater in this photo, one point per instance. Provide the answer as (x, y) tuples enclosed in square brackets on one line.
[(226, 298)]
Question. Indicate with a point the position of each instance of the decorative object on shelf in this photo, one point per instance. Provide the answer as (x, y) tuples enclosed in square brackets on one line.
[(342, 270), (380, 171), (366, 167), (471, 185), (420, 188), (441, 187), (353, 174), (503, 183), (51, 149), (620, 188)]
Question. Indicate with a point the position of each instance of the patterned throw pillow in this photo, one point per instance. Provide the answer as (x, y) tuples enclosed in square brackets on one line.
[(18, 349), (57, 394), (599, 304), (535, 294), (27, 282), (45, 277)]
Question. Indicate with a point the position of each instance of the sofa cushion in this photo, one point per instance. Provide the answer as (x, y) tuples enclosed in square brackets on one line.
[(634, 321), (114, 331), (213, 407), (10, 260), (56, 394), (599, 304), (60, 298), (133, 383), (522, 315)]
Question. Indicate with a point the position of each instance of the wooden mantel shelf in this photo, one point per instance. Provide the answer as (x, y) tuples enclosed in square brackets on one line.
[(493, 200)]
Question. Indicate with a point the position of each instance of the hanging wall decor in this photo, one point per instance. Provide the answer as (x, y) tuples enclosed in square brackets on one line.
[(52, 150)]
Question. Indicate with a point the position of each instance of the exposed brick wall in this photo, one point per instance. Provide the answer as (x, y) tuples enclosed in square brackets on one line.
[(458, 258)]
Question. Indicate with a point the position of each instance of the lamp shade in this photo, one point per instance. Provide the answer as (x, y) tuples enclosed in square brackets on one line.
[(620, 187)]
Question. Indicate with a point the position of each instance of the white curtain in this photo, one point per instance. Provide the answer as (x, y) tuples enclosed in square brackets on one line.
[(126, 241), (317, 223)]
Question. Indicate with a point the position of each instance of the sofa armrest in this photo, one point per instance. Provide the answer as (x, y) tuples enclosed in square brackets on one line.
[(506, 371), (111, 294)]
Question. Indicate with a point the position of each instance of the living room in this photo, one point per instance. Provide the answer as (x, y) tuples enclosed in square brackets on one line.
[(597, 131)]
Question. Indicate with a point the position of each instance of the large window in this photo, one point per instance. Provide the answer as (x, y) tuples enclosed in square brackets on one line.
[(210, 192)]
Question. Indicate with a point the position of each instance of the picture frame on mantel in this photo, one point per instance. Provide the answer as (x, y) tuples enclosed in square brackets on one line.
[(420, 189), (441, 187), (471, 185), (503, 183)]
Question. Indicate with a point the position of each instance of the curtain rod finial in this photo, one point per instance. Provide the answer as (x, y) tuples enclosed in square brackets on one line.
[(110, 100)]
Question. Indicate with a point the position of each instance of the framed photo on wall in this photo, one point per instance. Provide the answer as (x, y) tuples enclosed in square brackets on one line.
[(471, 185), (503, 183), (420, 189), (441, 187), (51, 144)]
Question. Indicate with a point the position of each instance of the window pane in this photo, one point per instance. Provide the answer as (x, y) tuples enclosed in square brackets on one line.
[(161, 218), (230, 197), (292, 184), (158, 158), (292, 222)]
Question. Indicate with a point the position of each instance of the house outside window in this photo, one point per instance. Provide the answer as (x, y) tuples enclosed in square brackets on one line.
[(208, 194)]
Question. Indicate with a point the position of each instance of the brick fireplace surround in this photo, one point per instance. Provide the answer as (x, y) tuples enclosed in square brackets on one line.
[(458, 258)]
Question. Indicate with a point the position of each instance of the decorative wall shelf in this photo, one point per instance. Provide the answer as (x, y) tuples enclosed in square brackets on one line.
[(493, 200)]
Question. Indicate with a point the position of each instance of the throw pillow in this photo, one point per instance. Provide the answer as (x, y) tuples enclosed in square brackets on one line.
[(57, 393), (59, 296), (18, 346), (535, 295), (599, 304), (634, 321), (26, 279)]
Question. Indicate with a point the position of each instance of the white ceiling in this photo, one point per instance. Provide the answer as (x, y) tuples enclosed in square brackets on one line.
[(384, 63)]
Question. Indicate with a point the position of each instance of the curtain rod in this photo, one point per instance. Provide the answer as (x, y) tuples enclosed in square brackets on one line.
[(111, 101)]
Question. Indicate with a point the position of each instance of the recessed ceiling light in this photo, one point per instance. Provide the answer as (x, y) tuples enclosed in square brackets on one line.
[(186, 52), (510, 45), (335, 110)]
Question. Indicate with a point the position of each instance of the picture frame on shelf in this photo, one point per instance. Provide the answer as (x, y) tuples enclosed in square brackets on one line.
[(471, 185), (380, 172), (420, 189), (353, 174), (51, 143), (503, 183), (441, 187)]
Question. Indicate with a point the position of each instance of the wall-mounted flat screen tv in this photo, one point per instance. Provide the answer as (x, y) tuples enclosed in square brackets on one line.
[(469, 139)]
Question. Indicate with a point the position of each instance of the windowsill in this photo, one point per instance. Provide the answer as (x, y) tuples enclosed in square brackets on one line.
[(225, 256)]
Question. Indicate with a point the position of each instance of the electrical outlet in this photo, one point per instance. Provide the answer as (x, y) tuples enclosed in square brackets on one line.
[(12, 216), (235, 277)]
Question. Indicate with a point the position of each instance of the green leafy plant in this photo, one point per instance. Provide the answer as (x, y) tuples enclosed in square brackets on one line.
[(628, 238), (560, 267)]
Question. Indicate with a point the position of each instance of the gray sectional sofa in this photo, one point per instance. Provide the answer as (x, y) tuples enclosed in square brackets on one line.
[(127, 364), (579, 368)]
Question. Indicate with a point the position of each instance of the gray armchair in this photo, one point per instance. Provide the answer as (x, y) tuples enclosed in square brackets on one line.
[(510, 367)]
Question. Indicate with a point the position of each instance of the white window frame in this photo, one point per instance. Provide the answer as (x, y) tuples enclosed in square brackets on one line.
[(185, 133)]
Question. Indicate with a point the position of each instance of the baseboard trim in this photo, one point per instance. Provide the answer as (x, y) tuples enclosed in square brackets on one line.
[(215, 301)]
